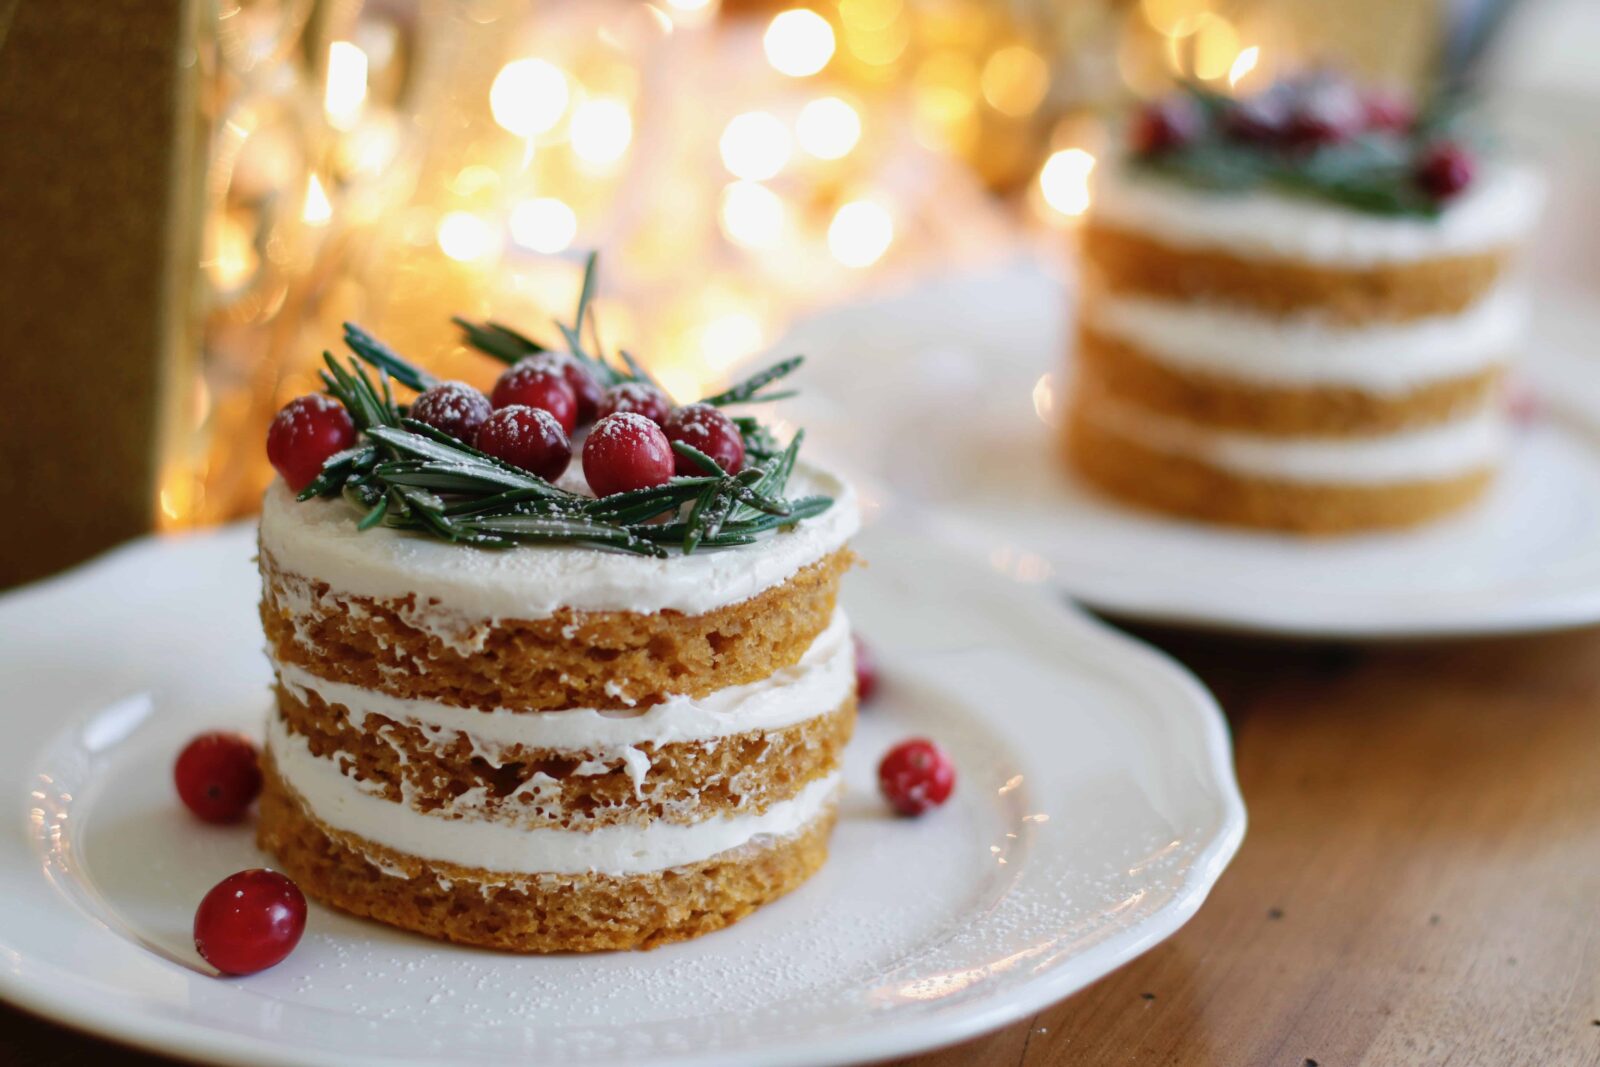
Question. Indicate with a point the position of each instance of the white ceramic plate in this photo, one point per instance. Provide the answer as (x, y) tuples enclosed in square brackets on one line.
[(1095, 808), (942, 393)]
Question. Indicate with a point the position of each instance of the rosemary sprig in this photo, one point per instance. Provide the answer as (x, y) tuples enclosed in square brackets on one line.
[(1373, 172), (406, 475)]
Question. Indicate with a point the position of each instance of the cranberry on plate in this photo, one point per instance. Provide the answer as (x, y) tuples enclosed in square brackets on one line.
[(304, 434), (585, 388), (529, 438), (641, 398), (626, 451), (866, 671), (249, 921), (218, 776), (708, 429), (453, 408), (916, 776), (533, 384)]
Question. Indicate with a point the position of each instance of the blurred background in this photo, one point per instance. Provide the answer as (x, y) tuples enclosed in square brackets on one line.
[(196, 203)]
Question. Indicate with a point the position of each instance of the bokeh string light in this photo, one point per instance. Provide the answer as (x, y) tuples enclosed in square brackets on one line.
[(737, 164)]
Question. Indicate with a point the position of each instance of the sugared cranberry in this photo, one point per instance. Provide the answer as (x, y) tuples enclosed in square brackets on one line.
[(529, 438), (454, 408), (638, 397), (1163, 126), (249, 921), (704, 427), (866, 671), (1444, 170), (626, 451), (585, 389), (218, 775), (916, 775), (1259, 119), (1325, 112), (304, 434), (1388, 111), (541, 386)]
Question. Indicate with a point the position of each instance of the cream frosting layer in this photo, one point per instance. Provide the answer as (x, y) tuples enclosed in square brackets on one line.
[(318, 539), (341, 802), (1447, 450), (814, 686), (1496, 211), (1382, 358)]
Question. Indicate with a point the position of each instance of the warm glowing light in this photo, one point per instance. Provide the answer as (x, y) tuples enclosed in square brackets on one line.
[(1243, 65), (799, 42), (465, 237), (752, 215), (475, 179), (545, 225), (945, 94), (371, 146), (755, 146), (1064, 181), (601, 130), (318, 210), (347, 85), (528, 96), (688, 5), (233, 258), (1015, 80), (860, 233), (1216, 47), (1173, 18), (1044, 399), (730, 338), (828, 128)]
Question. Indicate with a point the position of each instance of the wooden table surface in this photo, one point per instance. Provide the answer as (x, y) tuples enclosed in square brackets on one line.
[(1420, 882)]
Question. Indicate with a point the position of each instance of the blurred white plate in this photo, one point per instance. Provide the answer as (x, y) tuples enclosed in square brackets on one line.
[(938, 392), (1095, 808)]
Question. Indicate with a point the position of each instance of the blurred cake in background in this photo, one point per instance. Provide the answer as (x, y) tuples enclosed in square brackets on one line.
[(1295, 315)]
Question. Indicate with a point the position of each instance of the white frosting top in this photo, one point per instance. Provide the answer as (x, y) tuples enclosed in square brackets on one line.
[(318, 539), (1390, 358), (342, 803), (1497, 210), (814, 686), (1447, 450)]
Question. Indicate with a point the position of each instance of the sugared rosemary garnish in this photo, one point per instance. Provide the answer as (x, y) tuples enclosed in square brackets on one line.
[(405, 474), (1312, 136)]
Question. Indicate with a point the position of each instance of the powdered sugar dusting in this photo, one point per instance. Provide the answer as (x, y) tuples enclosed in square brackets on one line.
[(458, 588)]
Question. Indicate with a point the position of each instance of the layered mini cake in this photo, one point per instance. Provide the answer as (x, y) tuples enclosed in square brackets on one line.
[(620, 729), (1296, 315)]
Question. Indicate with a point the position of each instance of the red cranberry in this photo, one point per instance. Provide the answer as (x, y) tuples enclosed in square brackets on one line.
[(1444, 170), (585, 389), (453, 408), (1260, 120), (638, 397), (626, 451), (304, 434), (1388, 111), (1164, 126), (541, 386), (866, 671), (529, 438), (709, 430), (218, 775), (1326, 112), (249, 921), (915, 776)]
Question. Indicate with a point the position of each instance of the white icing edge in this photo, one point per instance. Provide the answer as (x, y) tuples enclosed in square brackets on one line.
[(1447, 450), (1383, 358), (1497, 210), (459, 590), (341, 803), (814, 686)]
